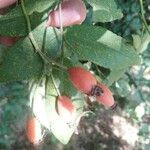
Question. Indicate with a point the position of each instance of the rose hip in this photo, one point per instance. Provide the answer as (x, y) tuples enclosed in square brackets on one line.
[(6, 3), (106, 97), (82, 79), (65, 108), (33, 130), (73, 12)]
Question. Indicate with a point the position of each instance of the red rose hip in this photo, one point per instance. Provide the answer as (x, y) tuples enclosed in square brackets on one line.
[(105, 97), (33, 130), (65, 108), (82, 79)]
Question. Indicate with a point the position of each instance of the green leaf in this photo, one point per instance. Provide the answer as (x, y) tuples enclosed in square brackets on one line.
[(141, 43), (44, 108), (14, 23), (49, 40), (123, 88), (22, 62), (105, 10), (114, 76), (100, 46), (32, 6), (38, 5), (37, 101), (63, 83), (2, 52), (58, 127)]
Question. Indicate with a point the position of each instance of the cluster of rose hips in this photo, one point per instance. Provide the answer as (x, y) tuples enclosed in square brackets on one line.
[(72, 12), (86, 83)]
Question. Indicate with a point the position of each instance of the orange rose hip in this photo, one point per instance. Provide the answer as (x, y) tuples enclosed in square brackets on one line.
[(33, 130), (82, 79), (65, 108), (105, 97)]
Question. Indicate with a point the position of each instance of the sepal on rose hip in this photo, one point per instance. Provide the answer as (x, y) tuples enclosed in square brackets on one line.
[(73, 13), (33, 130), (106, 98), (82, 79)]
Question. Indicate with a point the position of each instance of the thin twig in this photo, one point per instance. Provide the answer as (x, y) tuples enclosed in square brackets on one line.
[(62, 32), (143, 17), (60, 19), (33, 41), (56, 88)]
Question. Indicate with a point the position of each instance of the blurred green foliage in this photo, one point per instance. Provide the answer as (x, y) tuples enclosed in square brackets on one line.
[(13, 108), (131, 22)]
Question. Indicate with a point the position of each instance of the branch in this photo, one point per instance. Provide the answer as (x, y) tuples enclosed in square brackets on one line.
[(143, 17), (33, 41)]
